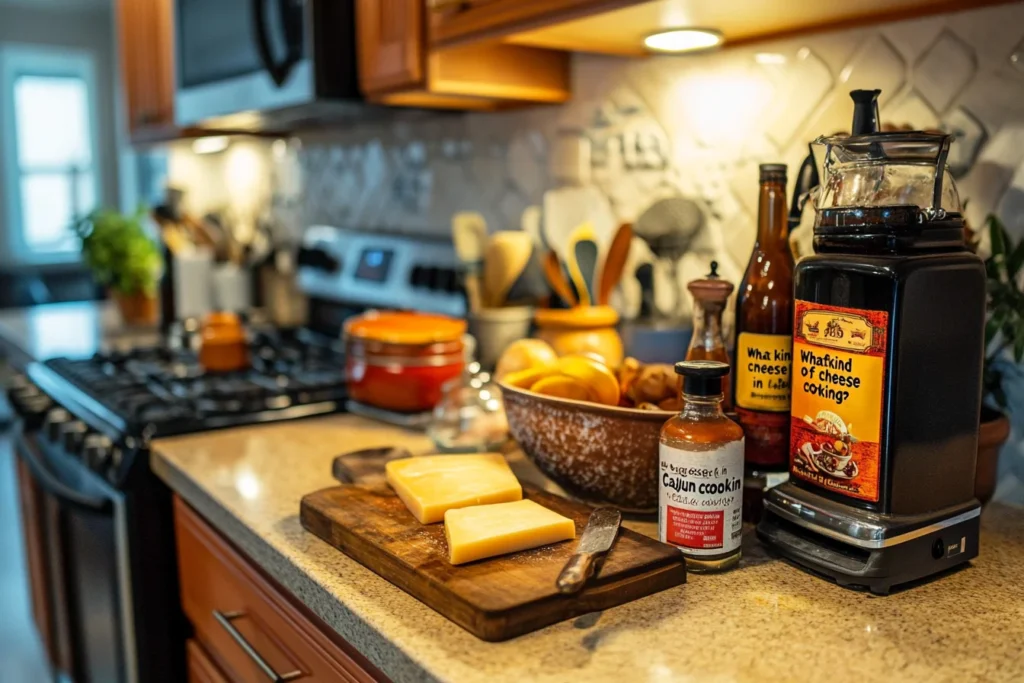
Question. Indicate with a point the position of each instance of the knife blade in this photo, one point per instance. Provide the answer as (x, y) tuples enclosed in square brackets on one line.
[(597, 539)]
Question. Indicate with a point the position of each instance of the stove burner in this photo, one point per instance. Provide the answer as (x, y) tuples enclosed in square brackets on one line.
[(162, 391)]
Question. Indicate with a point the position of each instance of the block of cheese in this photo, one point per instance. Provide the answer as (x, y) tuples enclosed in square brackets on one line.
[(481, 531), (430, 485)]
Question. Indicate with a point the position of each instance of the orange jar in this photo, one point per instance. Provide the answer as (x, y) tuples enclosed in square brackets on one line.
[(580, 330), (401, 361), (224, 347)]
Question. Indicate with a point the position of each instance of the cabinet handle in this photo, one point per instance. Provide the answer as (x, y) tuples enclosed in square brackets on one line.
[(225, 619), (444, 5)]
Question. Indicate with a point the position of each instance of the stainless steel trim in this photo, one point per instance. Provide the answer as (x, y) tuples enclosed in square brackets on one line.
[(124, 582), (252, 92), (225, 619), (849, 529)]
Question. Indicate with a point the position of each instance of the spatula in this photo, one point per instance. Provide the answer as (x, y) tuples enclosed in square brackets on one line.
[(584, 231), (556, 278), (469, 234), (506, 256), (614, 261), (586, 261)]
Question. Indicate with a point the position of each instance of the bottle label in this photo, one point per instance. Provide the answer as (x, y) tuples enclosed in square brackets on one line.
[(839, 357), (762, 371), (700, 499)]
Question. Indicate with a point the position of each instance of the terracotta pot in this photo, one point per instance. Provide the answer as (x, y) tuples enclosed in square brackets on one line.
[(582, 329), (995, 429), (598, 454), (138, 309)]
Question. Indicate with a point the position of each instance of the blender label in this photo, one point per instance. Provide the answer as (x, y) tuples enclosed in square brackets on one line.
[(838, 383), (762, 371)]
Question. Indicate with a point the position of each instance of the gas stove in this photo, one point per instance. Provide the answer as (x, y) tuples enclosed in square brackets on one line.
[(162, 391)]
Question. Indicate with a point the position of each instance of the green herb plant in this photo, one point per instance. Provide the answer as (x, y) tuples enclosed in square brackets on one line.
[(1004, 327), (119, 252)]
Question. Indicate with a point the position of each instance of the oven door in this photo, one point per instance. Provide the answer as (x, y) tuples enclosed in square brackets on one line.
[(81, 522), (240, 56)]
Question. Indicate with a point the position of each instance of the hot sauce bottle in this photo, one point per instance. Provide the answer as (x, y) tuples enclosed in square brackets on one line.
[(764, 328), (700, 476), (708, 341)]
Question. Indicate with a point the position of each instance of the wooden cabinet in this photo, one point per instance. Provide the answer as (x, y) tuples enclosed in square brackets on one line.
[(146, 45), (397, 67), (247, 628), (201, 668), (454, 22)]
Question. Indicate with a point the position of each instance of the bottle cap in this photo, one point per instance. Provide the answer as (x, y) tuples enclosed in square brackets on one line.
[(702, 377), (772, 172), (711, 289)]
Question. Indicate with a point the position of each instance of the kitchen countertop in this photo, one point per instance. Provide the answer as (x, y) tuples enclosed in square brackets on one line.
[(77, 329), (764, 621)]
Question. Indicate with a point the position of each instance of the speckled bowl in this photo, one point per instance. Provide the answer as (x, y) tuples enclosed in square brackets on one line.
[(600, 454)]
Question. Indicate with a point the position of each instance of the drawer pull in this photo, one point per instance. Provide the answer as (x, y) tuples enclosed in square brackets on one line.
[(225, 619)]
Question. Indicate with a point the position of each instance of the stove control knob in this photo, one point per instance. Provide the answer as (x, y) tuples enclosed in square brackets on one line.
[(96, 451), (54, 420), (73, 436)]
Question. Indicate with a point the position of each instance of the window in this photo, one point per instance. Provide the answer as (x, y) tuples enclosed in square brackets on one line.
[(50, 169)]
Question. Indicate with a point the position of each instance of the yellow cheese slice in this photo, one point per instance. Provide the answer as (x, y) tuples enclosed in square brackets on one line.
[(487, 530), (430, 485)]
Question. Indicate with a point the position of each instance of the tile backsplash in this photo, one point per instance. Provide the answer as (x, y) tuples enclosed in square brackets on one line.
[(694, 126)]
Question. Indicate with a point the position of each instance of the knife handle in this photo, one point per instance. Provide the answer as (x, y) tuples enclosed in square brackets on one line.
[(576, 572)]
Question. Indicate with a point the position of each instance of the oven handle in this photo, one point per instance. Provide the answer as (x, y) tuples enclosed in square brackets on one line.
[(55, 487), (278, 71), (225, 619)]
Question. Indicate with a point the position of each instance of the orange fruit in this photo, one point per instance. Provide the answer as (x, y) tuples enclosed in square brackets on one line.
[(524, 379), (523, 354), (562, 387), (597, 377)]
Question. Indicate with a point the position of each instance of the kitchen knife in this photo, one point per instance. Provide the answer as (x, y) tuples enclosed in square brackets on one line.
[(597, 539)]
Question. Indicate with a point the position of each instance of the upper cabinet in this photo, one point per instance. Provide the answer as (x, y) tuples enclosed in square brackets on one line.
[(147, 67), (397, 67), (620, 26)]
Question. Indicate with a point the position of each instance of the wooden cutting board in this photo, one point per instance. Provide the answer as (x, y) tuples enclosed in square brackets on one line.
[(494, 599)]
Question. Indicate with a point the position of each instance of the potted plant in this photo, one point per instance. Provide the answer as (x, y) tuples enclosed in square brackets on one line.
[(1004, 340), (125, 259)]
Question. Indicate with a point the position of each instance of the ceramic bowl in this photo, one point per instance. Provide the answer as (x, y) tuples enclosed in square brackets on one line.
[(600, 454)]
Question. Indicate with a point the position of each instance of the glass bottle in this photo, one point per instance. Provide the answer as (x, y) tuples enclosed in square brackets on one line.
[(710, 295), (700, 477), (764, 332)]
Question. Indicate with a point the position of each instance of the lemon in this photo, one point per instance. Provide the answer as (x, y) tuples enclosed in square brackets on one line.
[(524, 379), (597, 377), (561, 386), (523, 354)]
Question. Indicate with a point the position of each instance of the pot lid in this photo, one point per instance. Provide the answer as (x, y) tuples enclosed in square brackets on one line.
[(404, 328)]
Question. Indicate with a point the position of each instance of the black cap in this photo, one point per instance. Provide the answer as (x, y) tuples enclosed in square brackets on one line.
[(773, 172), (702, 377), (865, 111)]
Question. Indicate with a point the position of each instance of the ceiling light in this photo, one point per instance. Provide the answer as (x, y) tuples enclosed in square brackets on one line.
[(210, 144), (683, 40), (769, 58)]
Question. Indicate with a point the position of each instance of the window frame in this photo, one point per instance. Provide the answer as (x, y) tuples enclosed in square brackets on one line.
[(18, 60)]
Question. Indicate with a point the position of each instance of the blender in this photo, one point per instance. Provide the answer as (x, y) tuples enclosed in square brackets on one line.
[(888, 342)]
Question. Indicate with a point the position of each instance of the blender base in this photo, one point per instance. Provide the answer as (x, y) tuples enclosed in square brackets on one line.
[(860, 549)]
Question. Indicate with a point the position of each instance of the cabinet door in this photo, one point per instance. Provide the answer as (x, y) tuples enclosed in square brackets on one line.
[(454, 22), (390, 35), (146, 34)]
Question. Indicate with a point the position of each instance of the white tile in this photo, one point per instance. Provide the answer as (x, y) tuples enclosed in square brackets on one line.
[(944, 70), (805, 82)]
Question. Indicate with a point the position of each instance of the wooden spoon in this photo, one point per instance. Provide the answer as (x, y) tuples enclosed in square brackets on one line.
[(614, 262), (556, 278), (469, 232), (506, 256), (583, 232)]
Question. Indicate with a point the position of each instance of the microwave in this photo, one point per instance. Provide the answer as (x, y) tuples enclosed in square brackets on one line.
[(262, 64)]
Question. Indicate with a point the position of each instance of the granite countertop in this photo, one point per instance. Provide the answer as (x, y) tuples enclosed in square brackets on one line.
[(77, 329), (763, 621)]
